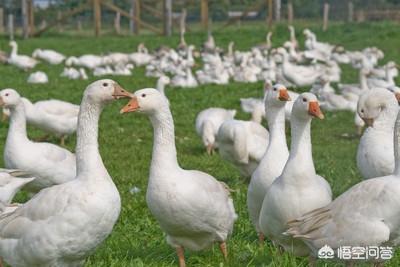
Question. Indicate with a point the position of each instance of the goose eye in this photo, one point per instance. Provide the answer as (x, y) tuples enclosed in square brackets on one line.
[(304, 99), (7, 94), (274, 89), (105, 84), (143, 95), (362, 111)]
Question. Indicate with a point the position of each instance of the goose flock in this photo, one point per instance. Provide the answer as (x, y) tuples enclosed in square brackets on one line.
[(75, 204)]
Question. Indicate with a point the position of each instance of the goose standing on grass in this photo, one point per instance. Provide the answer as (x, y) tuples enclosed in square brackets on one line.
[(20, 61), (298, 189), (63, 224), (367, 214), (51, 116), (375, 154), (208, 122), (50, 56), (193, 208), (51, 164), (243, 144), (274, 159)]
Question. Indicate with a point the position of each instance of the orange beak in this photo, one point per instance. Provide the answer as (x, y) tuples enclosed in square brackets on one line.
[(314, 110), (368, 121), (132, 106), (120, 92), (397, 95), (283, 95)]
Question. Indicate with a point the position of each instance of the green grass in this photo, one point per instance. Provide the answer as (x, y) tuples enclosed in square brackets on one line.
[(126, 141)]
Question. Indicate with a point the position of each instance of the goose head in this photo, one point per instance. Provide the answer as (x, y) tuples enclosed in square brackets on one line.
[(9, 98), (147, 100), (277, 95), (306, 107), (13, 44), (105, 91), (374, 103)]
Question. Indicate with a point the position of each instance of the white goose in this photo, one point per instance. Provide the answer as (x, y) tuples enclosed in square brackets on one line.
[(208, 122), (242, 143), (20, 61), (87, 61), (298, 189), (274, 159), (38, 77), (52, 116), (64, 224), (49, 163), (50, 56), (299, 75), (375, 155), (200, 211), (74, 74), (367, 214)]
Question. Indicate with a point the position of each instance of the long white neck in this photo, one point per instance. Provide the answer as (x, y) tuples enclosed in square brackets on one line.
[(363, 81), (300, 159), (276, 126), (161, 86), (88, 158), (17, 130), (164, 150), (14, 50)]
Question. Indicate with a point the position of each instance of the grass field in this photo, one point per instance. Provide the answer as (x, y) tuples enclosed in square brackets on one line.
[(126, 141)]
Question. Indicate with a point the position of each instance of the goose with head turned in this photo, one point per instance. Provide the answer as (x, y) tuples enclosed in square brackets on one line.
[(38, 77), (298, 189), (275, 157), (51, 164), (63, 224), (299, 75), (48, 55), (192, 207), (375, 154), (20, 61), (11, 181), (367, 214), (208, 122), (74, 74), (242, 143)]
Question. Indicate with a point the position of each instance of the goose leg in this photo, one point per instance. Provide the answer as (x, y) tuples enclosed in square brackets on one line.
[(181, 256), (261, 238), (224, 251), (1, 263), (210, 150), (62, 140), (378, 264), (349, 264)]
